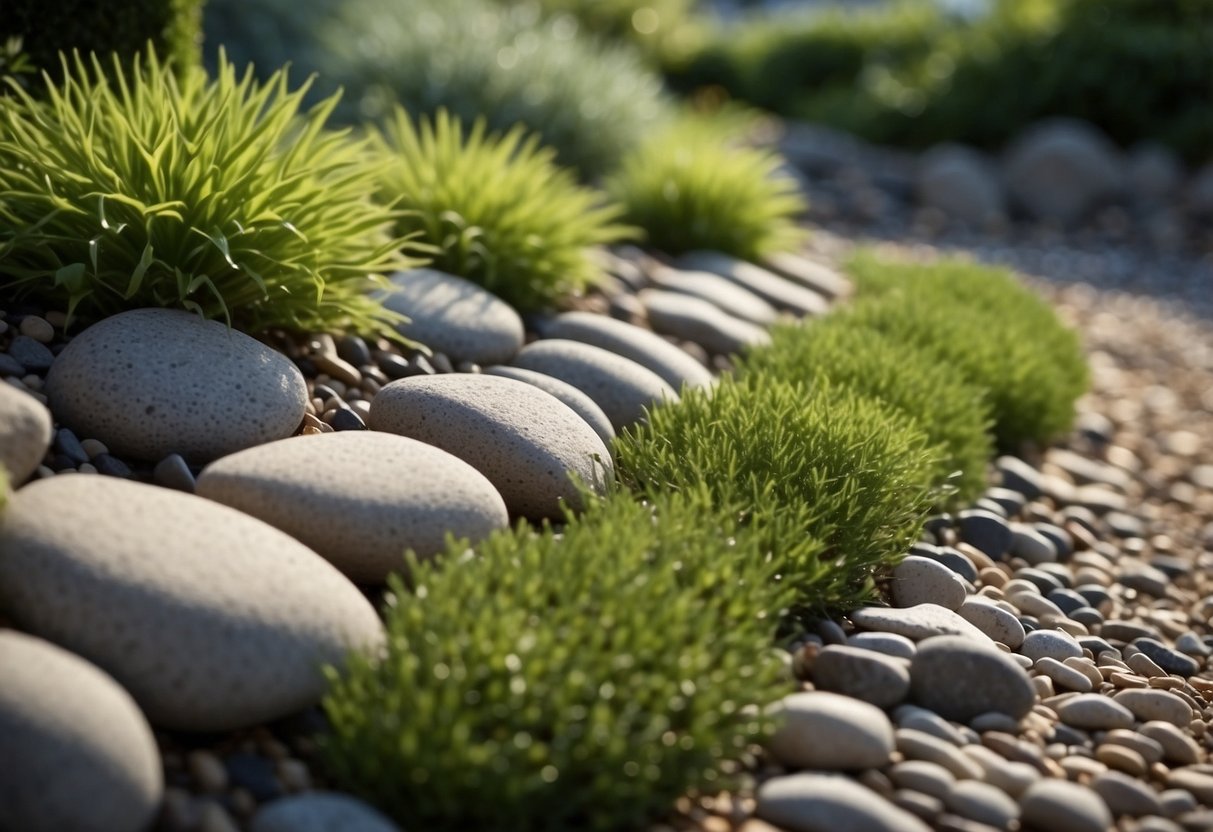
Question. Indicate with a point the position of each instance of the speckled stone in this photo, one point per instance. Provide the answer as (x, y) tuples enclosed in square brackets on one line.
[(917, 623), (373, 495), (830, 803), (830, 732), (862, 674), (581, 404), (1055, 644), (524, 441), (151, 382), (320, 812), (775, 290), (693, 319), (959, 679), (211, 619), (993, 620), (718, 291), (620, 386), (676, 367), (455, 316), (25, 433), (79, 755), (918, 580)]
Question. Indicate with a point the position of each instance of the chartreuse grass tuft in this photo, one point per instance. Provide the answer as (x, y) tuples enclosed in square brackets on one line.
[(496, 209), (987, 328), (580, 680), (689, 187), (952, 412), (857, 474), (217, 196)]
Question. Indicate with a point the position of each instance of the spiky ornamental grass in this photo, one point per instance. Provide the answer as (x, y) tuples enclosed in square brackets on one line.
[(690, 188), (989, 329), (952, 412), (496, 208), (219, 197), (856, 473), (581, 680)]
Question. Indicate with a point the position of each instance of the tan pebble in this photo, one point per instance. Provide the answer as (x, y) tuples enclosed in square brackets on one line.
[(294, 775), (1043, 686), (1170, 683), (1086, 667), (207, 771), (1076, 767), (1128, 680), (715, 823), (1175, 744), (1074, 628), (37, 328), (992, 577), (756, 825), (1143, 665), (877, 782), (56, 318), (362, 407), (1063, 675), (1122, 758), (1150, 750), (93, 447)]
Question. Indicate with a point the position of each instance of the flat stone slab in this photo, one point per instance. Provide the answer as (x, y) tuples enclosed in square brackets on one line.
[(916, 623)]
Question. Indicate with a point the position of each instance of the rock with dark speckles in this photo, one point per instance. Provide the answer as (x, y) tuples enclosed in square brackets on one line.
[(211, 619), (581, 404), (380, 495), (524, 441), (151, 382)]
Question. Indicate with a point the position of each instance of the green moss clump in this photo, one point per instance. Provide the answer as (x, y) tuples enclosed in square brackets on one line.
[(219, 197), (987, 328), (951, 412), (581, 680), (496, 209), (690, 188), (857, 474), (174, 27)]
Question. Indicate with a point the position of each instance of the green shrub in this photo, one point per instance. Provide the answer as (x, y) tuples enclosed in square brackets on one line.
[(948, 409), (496, 209), (172, 26), (856, 473), (987, 328), (690, 188), (213, 196), (581, 680), (647, 23)]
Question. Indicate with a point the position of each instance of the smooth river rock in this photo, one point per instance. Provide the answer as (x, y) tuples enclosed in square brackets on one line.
[(831, 732), (916, 623), (775, 290), (830, 803), (79, 756), (213, 620), (718, 291), (862, 674), (152, 382), (320, 812), (646, 348), (582, 405), (455, 316), (524, 441), (25, 433), (958, 678), (359, 498), (620, 386), (919, 580), (693, 319), (1050, 805)]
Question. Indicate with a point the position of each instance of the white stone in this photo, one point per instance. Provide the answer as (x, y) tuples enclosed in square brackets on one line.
[(524, 441), (697, 320), (832, 732), (152, 382), (919, 580), (25, 433), (718, 291), (211, 619), (775, 290), (78, 754), (359, 498)]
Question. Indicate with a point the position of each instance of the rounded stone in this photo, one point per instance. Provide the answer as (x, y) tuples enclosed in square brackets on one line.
[(528, 444), (1094, 711), (983, 803), (79, 754), (25, 433), (830, 732), (718, 291), (580, 403), (918, 622), (1060, 804), (1178, 747), (986, 531), (890, 644), (829, 803), (862, 674), (922, 776), (919, 580), (997, 623), (620, 386), (455, 317), (211, 619), (1148, 704), (359, 499), (676, 367), (959, 679), (151, 382), (320, 812), (1054, 644), (693, 319), (775, 290)]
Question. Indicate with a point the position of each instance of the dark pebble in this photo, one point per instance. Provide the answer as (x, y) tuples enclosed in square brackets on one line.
[(1067, 600), (255, 773), (1029, 624), (1172, 566), (1169, 660), (958, 562), (1087, 616), (307, 367), (1045, 582), (1012, 501), (1018, 475), (1070, 736), (1059, 571), (1122, 524), (1095, 644), (1095, 594), (324, 392), (62, 462), (1127, 631), (32, 355), (1060, 538), (111, 466), (924, 549), (938, 525), (985, 530), (830, 632), (395, 367), (10, 366), (67, 443), (354, 350), (345, 419)]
